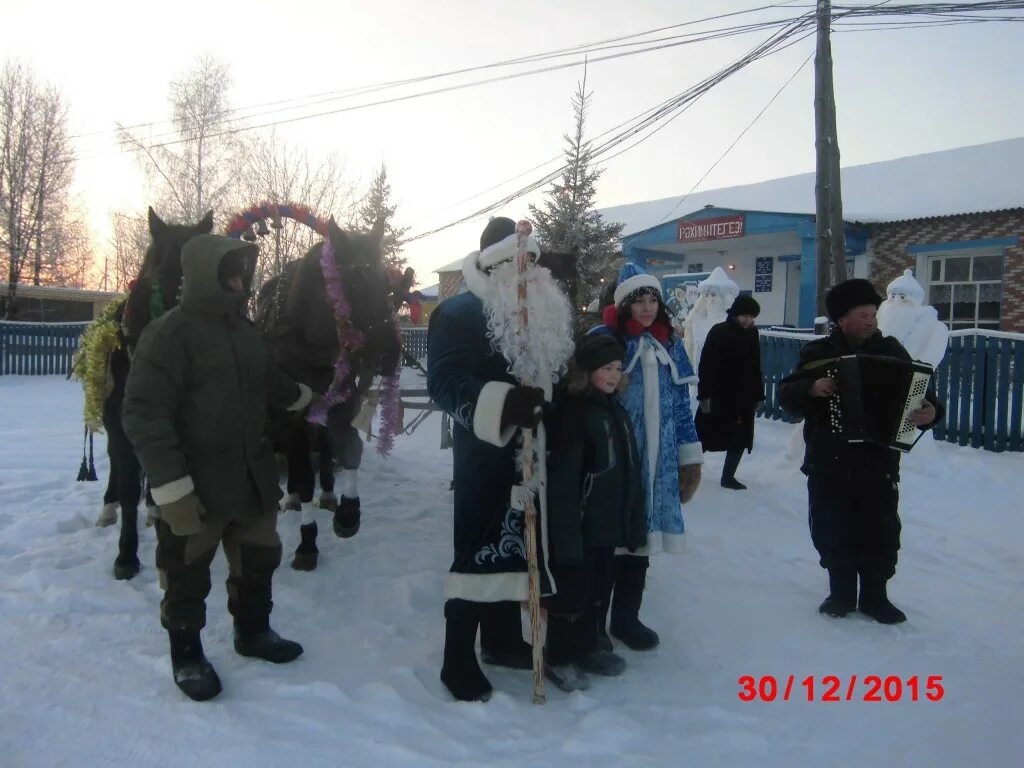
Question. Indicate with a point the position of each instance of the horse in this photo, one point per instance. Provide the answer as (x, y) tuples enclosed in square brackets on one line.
[(155, 291), (337, 344)]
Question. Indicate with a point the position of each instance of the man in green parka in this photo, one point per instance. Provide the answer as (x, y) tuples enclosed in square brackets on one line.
[(195, 409)]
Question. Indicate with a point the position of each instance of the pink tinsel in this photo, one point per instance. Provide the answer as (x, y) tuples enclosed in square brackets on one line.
[(390, 414), (349, 339)]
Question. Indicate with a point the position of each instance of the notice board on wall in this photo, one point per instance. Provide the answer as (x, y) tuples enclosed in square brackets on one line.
[(763, 267)]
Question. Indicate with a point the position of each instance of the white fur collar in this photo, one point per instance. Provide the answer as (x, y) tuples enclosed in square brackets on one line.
[(476, 278)]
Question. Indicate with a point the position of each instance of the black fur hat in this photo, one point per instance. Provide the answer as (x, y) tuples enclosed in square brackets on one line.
[(745, 305), (597, 350), (856, 292), (497, 229)]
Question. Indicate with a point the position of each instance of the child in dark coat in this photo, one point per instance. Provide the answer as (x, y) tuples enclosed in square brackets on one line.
[(596, 504)]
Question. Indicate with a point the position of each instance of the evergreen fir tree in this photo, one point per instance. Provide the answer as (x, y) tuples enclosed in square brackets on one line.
[(377, 204), (568, 221)]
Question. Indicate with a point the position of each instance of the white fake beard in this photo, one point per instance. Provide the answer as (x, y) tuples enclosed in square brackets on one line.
[(896, 318), (548, 335)]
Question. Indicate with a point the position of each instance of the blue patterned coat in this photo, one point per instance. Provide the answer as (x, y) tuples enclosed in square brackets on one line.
[(469, 379), (658, 403)]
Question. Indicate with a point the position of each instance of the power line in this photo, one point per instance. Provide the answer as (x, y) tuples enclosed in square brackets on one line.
[(674, 41), (649, 119), (531, 58), (737, 139), (461, 86), (882, 8)]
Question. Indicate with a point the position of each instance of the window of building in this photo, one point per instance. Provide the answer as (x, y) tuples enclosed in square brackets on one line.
[(694, 268), (966, 288)]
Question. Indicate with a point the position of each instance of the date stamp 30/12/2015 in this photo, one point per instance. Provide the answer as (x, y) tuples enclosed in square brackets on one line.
[(833, 688)]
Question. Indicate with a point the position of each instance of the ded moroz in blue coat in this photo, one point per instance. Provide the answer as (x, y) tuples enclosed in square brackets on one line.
[(470, 380)]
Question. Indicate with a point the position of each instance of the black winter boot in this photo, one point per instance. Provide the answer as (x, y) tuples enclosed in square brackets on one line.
[(874, 601), (460, 671), (562, 654), (193, 673), (630, 579), (346, 518), (501, 636), (842, 597), (591, 658), (264, 643), (732, 462), (307, 553), (250, 603)]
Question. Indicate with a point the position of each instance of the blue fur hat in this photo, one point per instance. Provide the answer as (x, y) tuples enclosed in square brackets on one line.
[(632, 279)]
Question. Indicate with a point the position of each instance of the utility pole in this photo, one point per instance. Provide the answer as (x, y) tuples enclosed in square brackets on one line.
[(831, 244)]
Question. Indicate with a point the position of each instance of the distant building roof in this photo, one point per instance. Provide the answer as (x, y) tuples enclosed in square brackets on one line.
[(455, 266), (975, 179), (430, 292), (57, 292)]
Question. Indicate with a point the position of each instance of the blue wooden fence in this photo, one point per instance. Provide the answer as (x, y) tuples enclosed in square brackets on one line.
[(981, 382), (36, 349)]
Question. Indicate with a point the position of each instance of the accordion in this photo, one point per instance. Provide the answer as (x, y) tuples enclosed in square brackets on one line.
[(874, 399)]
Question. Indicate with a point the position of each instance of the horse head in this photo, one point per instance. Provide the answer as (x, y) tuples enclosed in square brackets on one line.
[(369, 293), (161, 270), (162, 264)]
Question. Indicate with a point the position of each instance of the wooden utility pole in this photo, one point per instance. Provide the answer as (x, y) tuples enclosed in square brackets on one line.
[(831, 244)]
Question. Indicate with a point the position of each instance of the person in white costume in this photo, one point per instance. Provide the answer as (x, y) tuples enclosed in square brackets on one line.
[(715, 295), (915, 325)]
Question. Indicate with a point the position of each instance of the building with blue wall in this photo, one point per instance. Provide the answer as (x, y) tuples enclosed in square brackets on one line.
[(771, 255)]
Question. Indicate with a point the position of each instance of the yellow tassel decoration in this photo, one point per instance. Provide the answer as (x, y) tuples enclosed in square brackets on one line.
[(92, 363)]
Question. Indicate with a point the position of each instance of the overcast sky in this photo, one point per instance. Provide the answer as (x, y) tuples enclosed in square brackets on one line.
[(898, 93)]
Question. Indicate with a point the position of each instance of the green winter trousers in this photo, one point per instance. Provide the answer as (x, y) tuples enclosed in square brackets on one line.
[(253, 551)]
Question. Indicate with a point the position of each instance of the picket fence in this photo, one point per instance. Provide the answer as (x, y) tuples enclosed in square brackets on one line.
[(981, 382), (981, 379)]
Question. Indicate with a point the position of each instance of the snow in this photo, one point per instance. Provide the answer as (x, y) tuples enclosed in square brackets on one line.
[(85, 678), (984, 177)]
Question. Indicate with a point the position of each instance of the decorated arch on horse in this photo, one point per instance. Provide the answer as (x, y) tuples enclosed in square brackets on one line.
[(257, 222)]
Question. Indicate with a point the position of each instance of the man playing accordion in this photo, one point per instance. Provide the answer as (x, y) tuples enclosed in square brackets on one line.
[(853, 487)]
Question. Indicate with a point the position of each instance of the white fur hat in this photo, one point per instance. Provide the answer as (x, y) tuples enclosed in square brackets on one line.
[(505, 250), (633, 278)]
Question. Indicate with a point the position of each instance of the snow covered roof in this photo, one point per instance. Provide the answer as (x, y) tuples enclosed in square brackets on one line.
[(455, 266), (984, 177), (430, 292)]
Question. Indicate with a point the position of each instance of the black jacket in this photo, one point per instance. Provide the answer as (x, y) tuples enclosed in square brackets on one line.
[(595, 496), (825, 453), (730, 377)]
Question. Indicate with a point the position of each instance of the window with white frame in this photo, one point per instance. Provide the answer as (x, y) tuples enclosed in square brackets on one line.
[(966, 287)]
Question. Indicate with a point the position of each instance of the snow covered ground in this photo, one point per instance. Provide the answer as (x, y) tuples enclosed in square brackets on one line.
[(85, 673)]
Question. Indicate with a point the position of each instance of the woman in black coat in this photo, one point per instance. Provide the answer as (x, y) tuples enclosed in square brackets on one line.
[(730, 387)]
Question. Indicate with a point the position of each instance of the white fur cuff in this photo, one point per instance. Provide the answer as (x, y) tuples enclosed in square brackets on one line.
[(690, 453), (168, 493), (305, 395), (487, 414), (486, 587)]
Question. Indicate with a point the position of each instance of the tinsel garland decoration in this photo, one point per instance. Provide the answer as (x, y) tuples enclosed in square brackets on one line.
[(99, 341), (249, 225), (390, 408), (242, 224), (349, 339)]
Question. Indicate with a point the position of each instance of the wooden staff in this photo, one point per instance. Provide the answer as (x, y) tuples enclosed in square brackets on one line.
[(523, 231)]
